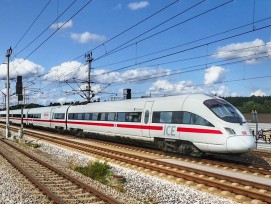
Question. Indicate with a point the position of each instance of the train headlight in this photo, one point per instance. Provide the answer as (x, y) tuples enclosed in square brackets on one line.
[(230, 131)]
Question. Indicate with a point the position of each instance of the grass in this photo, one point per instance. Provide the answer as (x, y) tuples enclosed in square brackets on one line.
[(33, 145), (97, 170)]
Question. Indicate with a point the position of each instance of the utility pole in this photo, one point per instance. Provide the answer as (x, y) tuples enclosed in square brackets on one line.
[(89, 59), (9, 52)]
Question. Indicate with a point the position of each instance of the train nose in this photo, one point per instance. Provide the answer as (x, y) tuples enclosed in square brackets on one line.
[(240, 144)]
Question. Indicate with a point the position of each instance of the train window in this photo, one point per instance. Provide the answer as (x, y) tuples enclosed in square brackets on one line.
[(103, 116), (37, 115), (165, 117), (133, 117), (88, 116), (94, 116), (186, 118), (80, 116), (70, 116), (156, 117), (59, 115), (174, 117), (121, 117), (224, 110), (147, 115), (194, 119), (177, 117), (111, 116)]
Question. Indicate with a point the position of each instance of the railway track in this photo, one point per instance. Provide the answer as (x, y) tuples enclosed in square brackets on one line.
[(227, 186), (57, 185), (231, 164)]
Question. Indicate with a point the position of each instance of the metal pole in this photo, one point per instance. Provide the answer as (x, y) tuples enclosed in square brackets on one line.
[(89, 59), (9, 52), (22, 124)]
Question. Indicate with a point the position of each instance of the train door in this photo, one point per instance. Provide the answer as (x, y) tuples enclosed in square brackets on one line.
[(147, 115)]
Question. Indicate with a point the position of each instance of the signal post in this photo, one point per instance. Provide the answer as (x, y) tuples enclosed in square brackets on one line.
[(19, 92)]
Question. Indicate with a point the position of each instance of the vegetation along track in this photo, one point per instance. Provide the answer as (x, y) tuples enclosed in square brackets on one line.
[(227, 185), (57, 185)]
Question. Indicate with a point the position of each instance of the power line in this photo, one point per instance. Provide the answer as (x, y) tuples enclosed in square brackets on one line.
[(119, 48), (191, 42), (57, 30), (32, 24), (181, 71), (189, 49), (47, 28), (131, 27)]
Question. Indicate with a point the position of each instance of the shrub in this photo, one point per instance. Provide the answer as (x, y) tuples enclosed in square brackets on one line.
[(33, 145), (97, 170)]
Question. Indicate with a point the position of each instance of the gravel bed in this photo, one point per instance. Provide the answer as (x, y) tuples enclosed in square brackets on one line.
[(15, 188), (143, 188)]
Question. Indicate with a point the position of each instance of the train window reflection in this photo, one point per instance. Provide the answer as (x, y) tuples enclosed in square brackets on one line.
[(111, 116), (121, 117), (224, 110), (179, 117)]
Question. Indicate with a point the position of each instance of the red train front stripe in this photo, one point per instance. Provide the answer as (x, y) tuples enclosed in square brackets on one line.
[(198, 130)]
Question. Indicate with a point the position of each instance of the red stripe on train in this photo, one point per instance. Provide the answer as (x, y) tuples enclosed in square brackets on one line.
[(198, 130), (92, 124), (144, 127)]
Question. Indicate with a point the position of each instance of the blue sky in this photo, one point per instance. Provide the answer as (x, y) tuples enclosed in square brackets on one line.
[(154, 47)]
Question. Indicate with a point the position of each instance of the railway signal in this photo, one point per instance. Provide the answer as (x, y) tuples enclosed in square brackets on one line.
[(19, 88)]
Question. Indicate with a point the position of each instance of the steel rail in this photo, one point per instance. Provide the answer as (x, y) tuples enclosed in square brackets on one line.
[(102, 196), (47, 192), (238, 190)]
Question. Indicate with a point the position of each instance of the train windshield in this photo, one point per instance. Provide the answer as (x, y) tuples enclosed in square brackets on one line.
[(225, 111)]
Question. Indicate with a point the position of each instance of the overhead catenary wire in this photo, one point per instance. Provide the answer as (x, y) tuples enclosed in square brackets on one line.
[(211, 42), (199, 39), (55, 31), (46, 5), (49, 26), (187, 43), (189, 49), (119, 48), (202, 67), (129, 28), (253, 22)]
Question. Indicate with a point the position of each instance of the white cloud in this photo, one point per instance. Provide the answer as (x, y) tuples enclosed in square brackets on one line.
[(58, 25), (21, 67), (86, 37), (182, 87), (138, 5), (134, 75), (222, 91), (214, 74), (67, 71), (247, 50), (258, 93), (161, 87)]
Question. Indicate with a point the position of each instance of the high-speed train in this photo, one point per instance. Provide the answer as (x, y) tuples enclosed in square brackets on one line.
[(192, 123)]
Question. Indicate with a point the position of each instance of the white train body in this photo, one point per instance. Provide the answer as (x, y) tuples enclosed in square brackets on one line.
[(194, 122)]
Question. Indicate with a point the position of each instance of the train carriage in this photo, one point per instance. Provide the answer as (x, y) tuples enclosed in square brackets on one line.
[(192, 123)]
